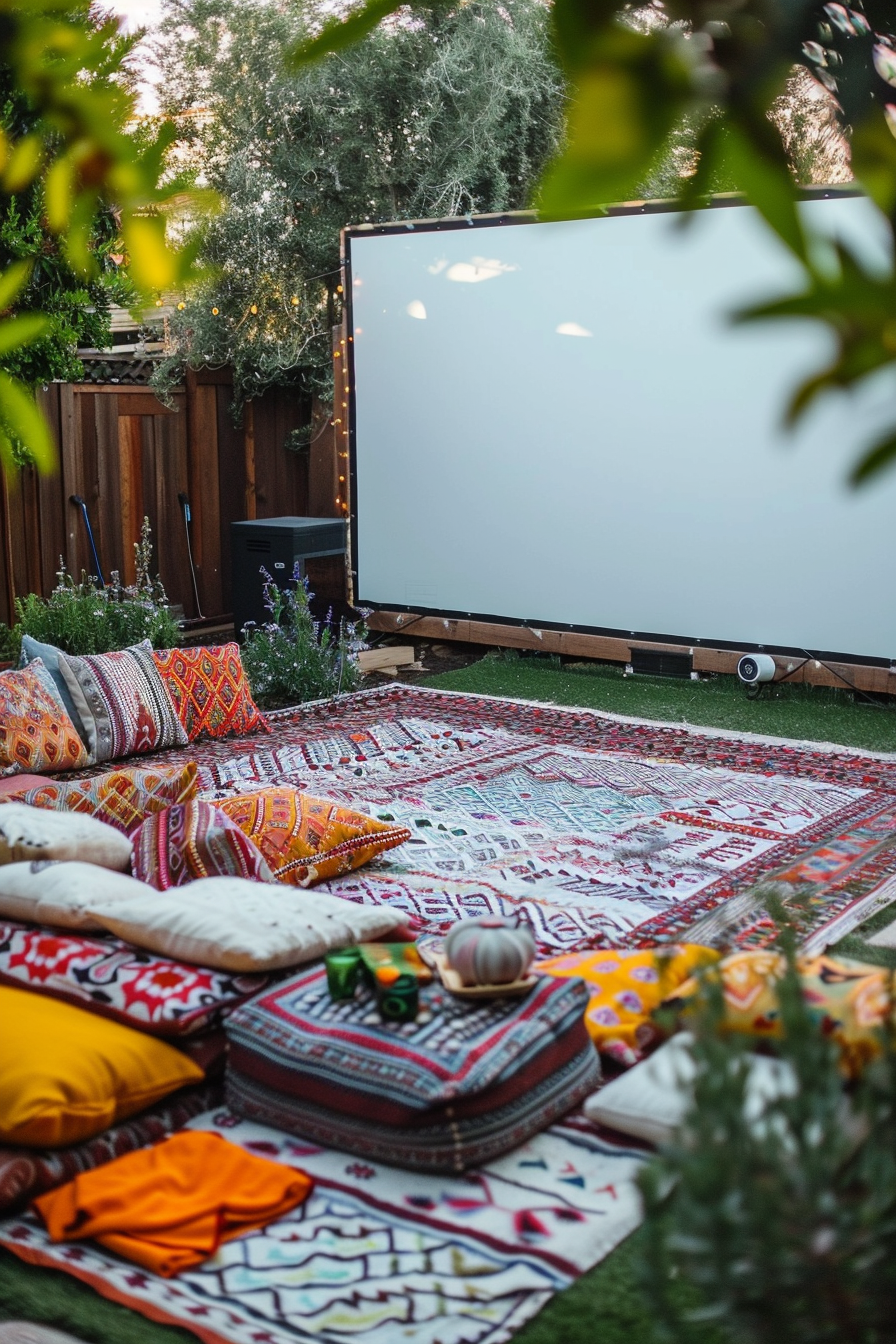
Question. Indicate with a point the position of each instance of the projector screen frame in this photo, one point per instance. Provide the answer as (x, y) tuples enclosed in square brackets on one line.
[(397, 617)]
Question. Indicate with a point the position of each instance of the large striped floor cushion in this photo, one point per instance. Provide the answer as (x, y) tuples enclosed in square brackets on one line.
[(470, 1079)]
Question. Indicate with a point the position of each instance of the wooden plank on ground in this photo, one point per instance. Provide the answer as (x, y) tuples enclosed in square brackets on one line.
[(396, 655)]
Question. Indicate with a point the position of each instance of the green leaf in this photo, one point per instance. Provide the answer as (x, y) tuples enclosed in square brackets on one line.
[(23, 163), (12, 281), (767, 183), (881, 455), (17, 332), (341, 33), (21, 417)]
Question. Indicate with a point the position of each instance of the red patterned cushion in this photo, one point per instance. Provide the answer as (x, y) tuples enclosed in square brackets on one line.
[(166, 998), (122, 798), (210, 692), (193, 840), (35, 731), (123, 703)]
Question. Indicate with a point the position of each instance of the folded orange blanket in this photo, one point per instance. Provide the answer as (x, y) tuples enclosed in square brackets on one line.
[(169, 1207)]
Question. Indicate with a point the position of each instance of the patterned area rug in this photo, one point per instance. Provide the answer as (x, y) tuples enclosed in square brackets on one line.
[(380, 1255), (603, 832)]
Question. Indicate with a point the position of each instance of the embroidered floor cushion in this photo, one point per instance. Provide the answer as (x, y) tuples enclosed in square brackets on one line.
[(469, 1079), (306, 840), (36, 733), (164, 997), (209, 690), (625, 989), (122, 798), (28, 833), (194, 840), (66, 1074), (122, 702), (61, 893)]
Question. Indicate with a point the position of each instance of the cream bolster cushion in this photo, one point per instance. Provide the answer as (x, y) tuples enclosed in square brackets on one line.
[(60, 893), (231, 924), (38, 833), (651, 1100)]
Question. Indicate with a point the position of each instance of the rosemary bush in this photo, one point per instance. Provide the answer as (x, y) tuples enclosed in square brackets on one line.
[(787, 1228), (294, 657), (80, 618)]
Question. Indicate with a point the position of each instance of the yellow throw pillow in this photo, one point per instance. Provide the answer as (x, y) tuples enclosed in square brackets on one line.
[(625, 988), (67, 1074), (306, 840)]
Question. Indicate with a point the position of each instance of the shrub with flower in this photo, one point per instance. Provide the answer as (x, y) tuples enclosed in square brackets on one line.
[(295, 657)]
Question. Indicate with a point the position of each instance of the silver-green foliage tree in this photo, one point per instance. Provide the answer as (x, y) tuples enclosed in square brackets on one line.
[(452, 111)]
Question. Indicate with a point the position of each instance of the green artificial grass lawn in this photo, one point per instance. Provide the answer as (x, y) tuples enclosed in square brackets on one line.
[(809, 713), (606, 1305)]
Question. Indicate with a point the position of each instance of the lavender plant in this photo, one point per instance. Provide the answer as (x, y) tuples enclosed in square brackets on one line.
[(295, 657)]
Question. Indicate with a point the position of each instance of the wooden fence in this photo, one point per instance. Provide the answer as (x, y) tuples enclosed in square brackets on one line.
[(128, 456)]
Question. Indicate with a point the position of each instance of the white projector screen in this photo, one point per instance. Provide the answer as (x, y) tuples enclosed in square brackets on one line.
[(557, 424)]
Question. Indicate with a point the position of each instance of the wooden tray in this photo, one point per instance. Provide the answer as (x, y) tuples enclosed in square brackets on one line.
[(453, 983)]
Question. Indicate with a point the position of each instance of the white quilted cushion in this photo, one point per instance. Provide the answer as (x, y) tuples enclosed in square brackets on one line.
[(651, 1099), (39, 833), (234, 925), (47, 892)]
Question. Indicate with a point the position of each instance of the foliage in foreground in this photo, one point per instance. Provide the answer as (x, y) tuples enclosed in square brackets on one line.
[(787, 1224), (79, 617), (721, 69), (70, 146), (294, 657), (455, 111)]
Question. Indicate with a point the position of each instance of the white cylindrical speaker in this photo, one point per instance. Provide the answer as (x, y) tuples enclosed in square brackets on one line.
[(756, 667)]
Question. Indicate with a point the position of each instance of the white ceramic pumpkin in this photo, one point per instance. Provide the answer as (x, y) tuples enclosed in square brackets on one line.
[(489, 950)]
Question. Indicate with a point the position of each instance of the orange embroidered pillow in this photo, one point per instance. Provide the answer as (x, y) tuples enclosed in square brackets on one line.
[(306, 840), (210, 692), (35, 731), (121, 797)]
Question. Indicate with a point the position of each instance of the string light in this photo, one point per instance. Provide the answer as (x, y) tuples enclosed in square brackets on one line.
[(181, 306), (254, 309), (214, 312), (294, 301)]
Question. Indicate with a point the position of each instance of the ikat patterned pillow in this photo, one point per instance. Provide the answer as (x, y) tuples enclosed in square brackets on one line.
[(194, 840), (36, 734), (210, 692), (122, 702), (122, 798), (306, 840)]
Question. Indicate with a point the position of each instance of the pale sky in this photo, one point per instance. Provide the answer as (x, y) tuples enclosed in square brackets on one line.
[(141, 14)]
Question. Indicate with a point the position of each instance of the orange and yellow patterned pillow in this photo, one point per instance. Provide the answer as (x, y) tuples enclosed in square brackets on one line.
[(123, 798), (851, 1000), (624, 990), (36, 733), (210, 692), (306, 840)]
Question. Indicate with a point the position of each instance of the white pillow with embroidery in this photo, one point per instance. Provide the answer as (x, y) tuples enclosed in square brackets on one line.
[(231, 924), (28, 833), (49, 892)]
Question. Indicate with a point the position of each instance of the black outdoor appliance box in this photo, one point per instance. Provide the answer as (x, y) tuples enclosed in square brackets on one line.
[(277, 544)]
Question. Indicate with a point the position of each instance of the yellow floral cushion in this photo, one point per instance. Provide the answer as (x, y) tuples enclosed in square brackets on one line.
[(850, 1000), (306, 840), (624, 990), (36, 733), (67, 1074)]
